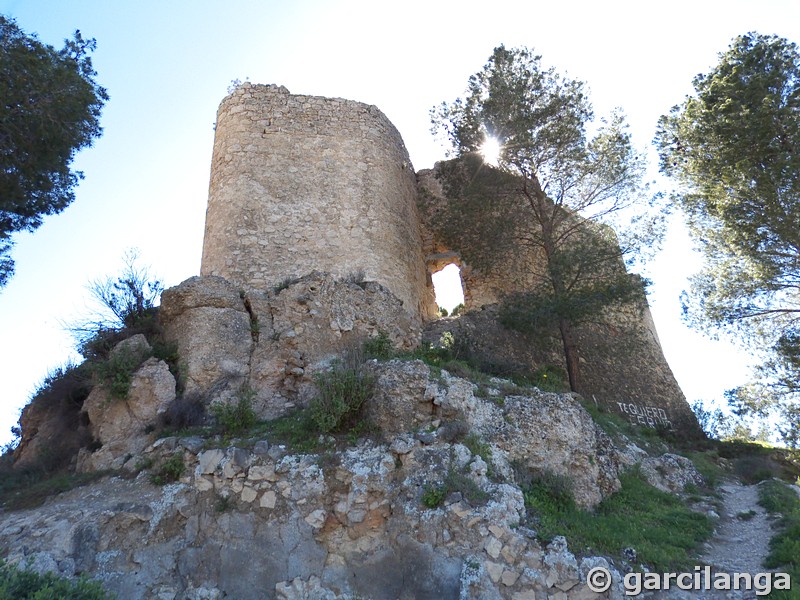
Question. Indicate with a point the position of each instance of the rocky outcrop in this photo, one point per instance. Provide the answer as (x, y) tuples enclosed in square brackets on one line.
[(273, 341), (670, 472), (542, 432), (122, 427), (265, 523)]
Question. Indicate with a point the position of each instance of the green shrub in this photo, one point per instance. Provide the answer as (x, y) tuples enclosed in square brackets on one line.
[(170, 470), (342, 393), (116, 372), (433, 495), (296, 430), (236, 418), (459, 481), (549, 494), (20, 583), (379, 347)]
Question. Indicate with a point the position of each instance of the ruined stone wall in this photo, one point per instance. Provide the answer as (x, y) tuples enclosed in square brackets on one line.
[(511, 273), (622, 363), (304, 183)]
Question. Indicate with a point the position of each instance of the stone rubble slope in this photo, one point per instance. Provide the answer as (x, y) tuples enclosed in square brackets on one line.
[(255, 520)]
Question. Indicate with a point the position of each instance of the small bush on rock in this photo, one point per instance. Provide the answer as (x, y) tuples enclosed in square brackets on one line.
[(116, 372), (379, 347), (170, 470), (236, 418), (342, 393), (433, 495)]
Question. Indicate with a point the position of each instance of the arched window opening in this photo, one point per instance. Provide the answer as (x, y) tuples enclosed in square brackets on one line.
[(449, 289)]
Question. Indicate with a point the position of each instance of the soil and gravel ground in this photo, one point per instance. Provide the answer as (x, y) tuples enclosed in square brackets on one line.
[(739, 545)]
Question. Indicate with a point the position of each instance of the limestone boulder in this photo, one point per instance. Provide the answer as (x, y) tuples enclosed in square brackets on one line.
[(670, 472), (542, 432), (206, 317), (122, 426), (399, 403), (274, 341)]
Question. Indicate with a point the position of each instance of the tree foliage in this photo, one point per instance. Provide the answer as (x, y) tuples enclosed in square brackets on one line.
[(554, 190), (125, 303), (49, 109), (734, 149)]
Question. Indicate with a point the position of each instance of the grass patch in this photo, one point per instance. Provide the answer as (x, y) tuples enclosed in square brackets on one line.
[(657, 525), (16, 582), (707, 464), (784, 547), (296, 431)]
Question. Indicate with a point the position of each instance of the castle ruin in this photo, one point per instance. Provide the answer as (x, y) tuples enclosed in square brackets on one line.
[(303, 184)]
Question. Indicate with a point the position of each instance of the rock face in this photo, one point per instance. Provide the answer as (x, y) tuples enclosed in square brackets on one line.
[(244, 525), (121, 426), (545, 432), (259, 521), (274, 341)]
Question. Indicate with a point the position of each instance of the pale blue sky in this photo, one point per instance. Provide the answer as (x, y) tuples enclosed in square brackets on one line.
[(168, 64)]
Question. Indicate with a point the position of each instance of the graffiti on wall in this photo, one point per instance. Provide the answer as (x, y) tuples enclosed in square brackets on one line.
[(649, 416)]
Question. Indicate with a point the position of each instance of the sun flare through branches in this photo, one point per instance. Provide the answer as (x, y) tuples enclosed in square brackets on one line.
[(490, 150)]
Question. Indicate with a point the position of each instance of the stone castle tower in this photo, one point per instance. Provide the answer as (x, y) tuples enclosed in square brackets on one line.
[(304, 183)]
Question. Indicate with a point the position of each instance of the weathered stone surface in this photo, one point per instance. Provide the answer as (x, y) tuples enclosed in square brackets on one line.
[(399, 404), (207, 319), (275, 342), (122, 426), (303, 183), (543, 431), (670, 472)]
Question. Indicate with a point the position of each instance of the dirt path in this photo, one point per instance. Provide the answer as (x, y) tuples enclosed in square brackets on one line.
[(739, 545)]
